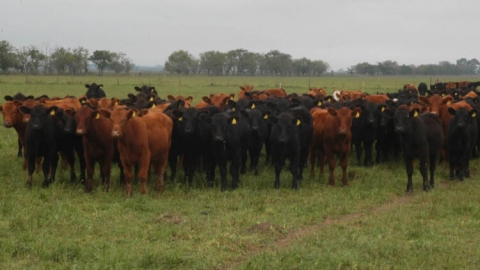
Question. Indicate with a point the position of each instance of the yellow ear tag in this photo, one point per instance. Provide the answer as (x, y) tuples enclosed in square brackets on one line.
[(415, 114), (456, 93), (52, 112), (319, 104), (115, 103), (151, 99), (101, 86), (233, 109), (97, 116), (357, 115), (298, 122), (153, 105), (83, 101), (234, 122), (180, 119), (474, 114), (383, 109), (253, 106), (448, 102), (153, 90), (134, 114), (443, 95), (265, 116)]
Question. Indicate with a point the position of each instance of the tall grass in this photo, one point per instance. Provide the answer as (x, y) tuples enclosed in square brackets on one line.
[(370, 224)]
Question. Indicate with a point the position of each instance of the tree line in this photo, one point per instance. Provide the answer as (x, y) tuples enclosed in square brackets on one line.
[(244, 63), (239, 62), (60, 60)]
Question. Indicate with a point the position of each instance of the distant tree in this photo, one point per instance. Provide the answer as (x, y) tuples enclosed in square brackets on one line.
[(247, 63), (21, 60), (80, 60), (60, 59), (302, 66), (180, 62), (388, 67), (365, 69), (128, 65), (116, 63), (319, 67), (351, 70), (278, 63), (212, 62), (406, 70), (7, 56), (101, 58)]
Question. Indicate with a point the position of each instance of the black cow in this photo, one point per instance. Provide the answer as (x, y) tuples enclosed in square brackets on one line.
[(41, 141), (188, 128), (71, 144), (364, 132), (462, 135), (422, 89), (147, 89), (422, 137), (94, 91), (285, 143), (257, 119), (229, 140)]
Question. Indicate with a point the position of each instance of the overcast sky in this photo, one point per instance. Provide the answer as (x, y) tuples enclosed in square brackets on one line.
[(339, 32)]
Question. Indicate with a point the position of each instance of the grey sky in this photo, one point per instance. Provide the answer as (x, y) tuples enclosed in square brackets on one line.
[(342, 33)]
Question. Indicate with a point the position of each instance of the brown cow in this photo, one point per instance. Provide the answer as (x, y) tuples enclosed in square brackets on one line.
[(313, 91), (343, 95), (243, 90), (132, 142), (159, 127), (333, 135), (97, 144)]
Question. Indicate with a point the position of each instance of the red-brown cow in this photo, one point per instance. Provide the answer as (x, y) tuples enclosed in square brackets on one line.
[(333, 136), (97, 144), (132, 141), (159, 127), (243, 90)]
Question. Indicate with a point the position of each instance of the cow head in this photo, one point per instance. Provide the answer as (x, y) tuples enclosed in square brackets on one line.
[(38, 115), (462, 116), (402, 115), (119, 117), (11, 113), (344, 117)]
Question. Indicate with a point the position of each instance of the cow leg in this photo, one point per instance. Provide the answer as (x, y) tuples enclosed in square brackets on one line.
[(254, 157), (322, 160), (81, 160), (90, 163), (312, 161), (294, 168), (46, 169), (424, 173), (38, 161), (172, 160), (433, 166), (68, 151), (53, 165), (368, 153), (105, 171), (358, 151), (452, 169), (331, 167), (243, 162), (344, 164), (19, 154), (31, 169), (222, 165), (128, 168), (143, 174), (409, 167), (279, 162)]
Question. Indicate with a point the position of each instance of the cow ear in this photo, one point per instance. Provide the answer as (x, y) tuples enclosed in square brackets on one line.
[(104, 113), (226, 100), (152, 90), (244, 113), (83, 100), (207, 100), (177, 113), (356, 112), (266, 115), (132, 113), (132, 97), (93, 101), (231, 96), (24, 110), (423, 100), (233, 120), (115, 102), (451, 111), (330, 99), (100, 86), (137, 88), (332, 111), (381, 107), (142, 112), (189, 98), (87, 85), (170, 97), (447, 100), (52, 110), (473, 113), (414, 112), (231, 104), (151, 97), (8, 98), (242, 88)]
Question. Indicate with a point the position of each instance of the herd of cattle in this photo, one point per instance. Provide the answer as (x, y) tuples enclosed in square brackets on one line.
[(144, 132)]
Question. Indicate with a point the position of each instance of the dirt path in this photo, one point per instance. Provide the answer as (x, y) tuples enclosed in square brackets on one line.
[(304, 232)]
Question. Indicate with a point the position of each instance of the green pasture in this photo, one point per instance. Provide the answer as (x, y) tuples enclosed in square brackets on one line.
[(371, 224)]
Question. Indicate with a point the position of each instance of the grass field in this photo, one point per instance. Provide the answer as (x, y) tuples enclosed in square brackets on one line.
[(371, 224)]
